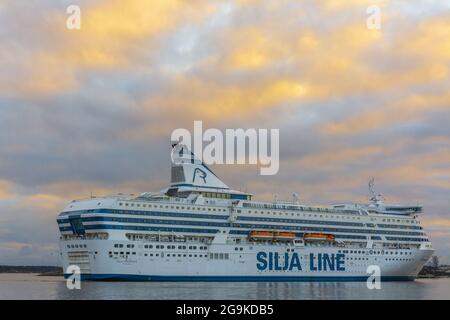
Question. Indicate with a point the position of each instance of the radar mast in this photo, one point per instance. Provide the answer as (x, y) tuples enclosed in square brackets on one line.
[(376, 199)]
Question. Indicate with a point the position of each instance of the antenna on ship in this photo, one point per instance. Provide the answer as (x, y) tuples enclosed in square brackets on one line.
[(295, 198), (371, 189), (375, 198)]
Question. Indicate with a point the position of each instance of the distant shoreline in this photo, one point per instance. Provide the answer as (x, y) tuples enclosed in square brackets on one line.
[(40, 270)]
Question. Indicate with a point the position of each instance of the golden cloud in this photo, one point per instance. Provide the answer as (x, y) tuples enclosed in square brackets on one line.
[(5, 190), (383, 116), (42, 201), (436, 222), (340, 155), (75, 190), (112, 35)]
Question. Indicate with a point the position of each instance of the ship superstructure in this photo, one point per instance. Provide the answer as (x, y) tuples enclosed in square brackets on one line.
[(198, 229)]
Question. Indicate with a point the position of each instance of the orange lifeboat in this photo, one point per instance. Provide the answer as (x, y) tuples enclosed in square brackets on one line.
[(284, 235), (319, 237), (261, 234)]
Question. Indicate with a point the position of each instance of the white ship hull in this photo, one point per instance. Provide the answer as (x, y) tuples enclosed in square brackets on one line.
[(136, 264)]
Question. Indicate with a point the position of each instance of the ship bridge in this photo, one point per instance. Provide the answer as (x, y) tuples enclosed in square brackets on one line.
[(377, 205), (392, 209)]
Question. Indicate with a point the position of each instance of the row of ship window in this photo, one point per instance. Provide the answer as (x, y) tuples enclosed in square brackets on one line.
[(278, 220), (263, 212), (407, 239), (150, 246), (150, 213), (206, 216), (243, 225), (375, 252), (214, 231), (288, 207), (341, 214), (306, 215), (386, 259), (328, 223), (76, 246), (119, 245), (219, 256), (122, 253), (394, 226), (126, 204), (411, 221)]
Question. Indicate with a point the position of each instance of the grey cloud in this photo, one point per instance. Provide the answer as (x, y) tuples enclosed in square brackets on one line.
[(80, 135)]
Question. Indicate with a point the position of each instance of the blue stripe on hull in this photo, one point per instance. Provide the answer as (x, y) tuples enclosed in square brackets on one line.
[(131, 277)]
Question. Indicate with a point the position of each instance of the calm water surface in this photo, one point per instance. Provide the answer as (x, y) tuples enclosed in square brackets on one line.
[(31, 286)]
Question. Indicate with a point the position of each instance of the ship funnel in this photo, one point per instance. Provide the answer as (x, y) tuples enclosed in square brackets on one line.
[(188, 170)]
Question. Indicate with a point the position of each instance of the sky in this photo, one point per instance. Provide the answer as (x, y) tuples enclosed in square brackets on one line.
[(91, 110)]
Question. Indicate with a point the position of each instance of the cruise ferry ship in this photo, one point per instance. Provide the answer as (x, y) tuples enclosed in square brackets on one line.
[(198, 229)]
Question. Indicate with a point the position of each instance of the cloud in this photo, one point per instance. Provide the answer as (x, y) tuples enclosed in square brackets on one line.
[(112, 37), (439, 222), (5, 190), (406, 110), (91, 111)]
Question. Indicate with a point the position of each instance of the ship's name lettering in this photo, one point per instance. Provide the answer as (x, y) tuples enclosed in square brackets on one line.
[(274, 261)]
